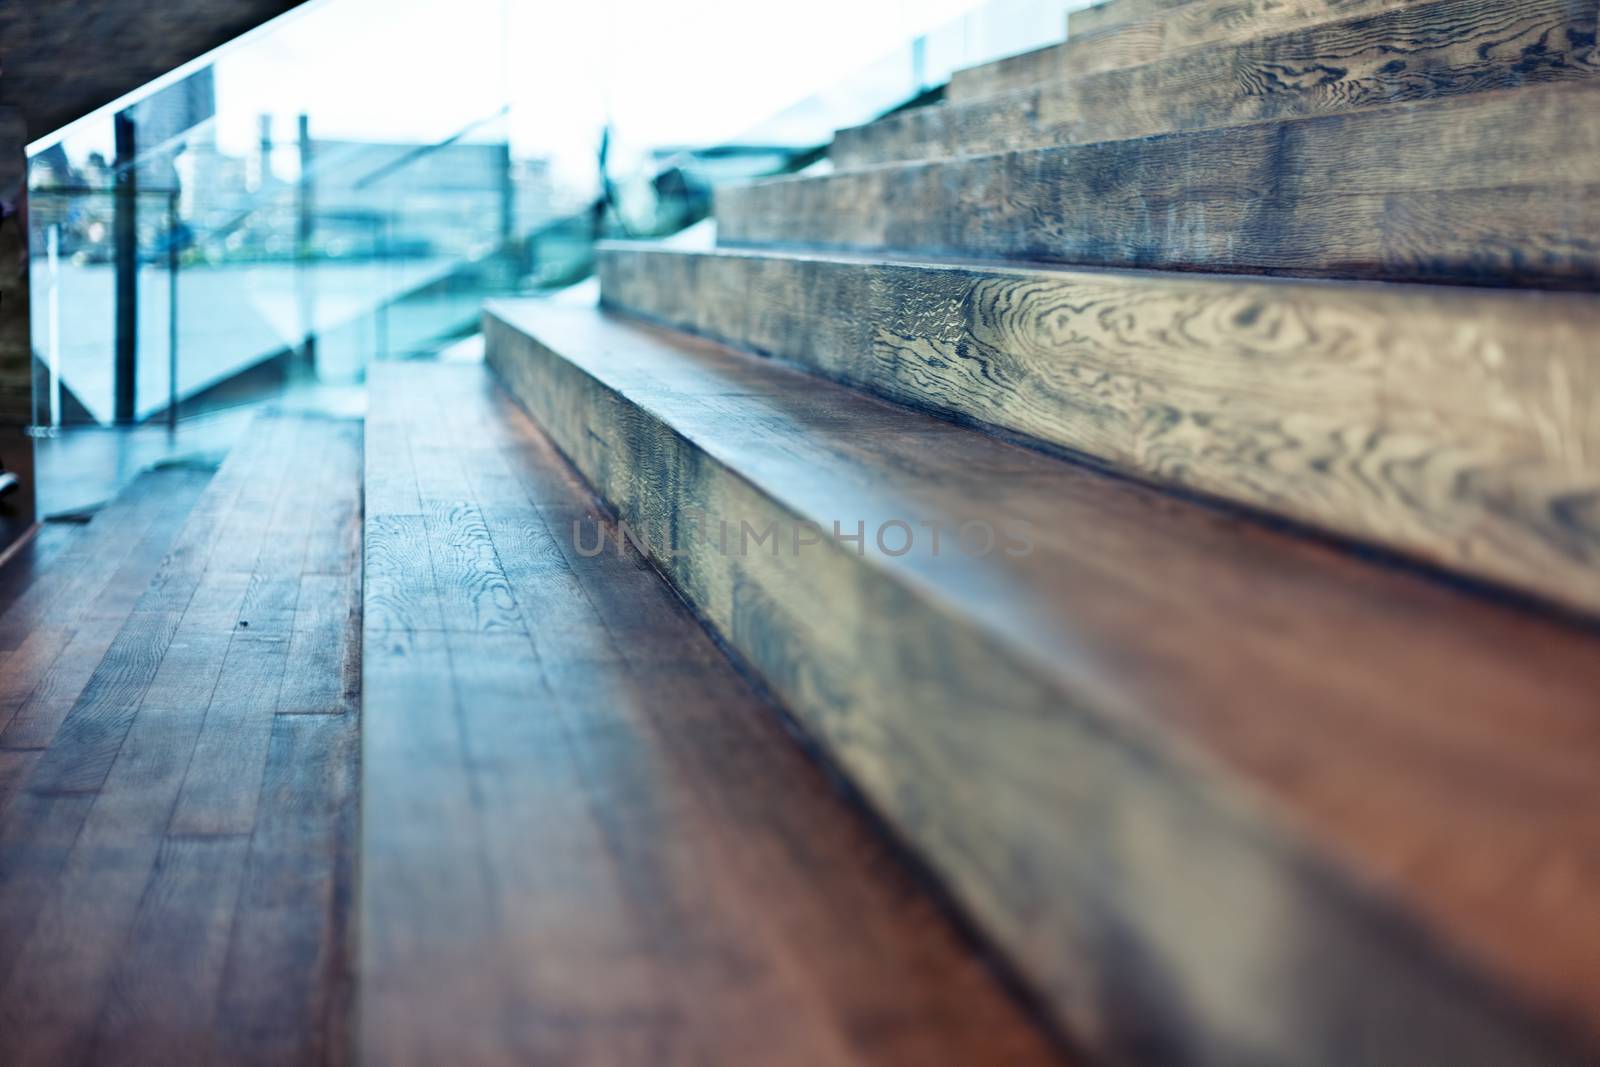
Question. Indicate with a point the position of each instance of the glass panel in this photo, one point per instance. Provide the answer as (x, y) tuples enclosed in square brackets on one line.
[(351, 182)]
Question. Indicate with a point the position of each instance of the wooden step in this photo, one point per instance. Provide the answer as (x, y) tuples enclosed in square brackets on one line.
[(1165, 33), (1005, 75), (586, 838), (1420, 418), (1224, 795), (1115, 13), (1427, 52), (1492, 189)]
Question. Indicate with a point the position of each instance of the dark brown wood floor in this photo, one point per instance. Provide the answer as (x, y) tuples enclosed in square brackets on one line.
[(586, 840), (177, 764), (583, 838)]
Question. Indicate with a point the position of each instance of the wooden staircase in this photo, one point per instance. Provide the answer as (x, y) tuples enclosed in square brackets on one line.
[(1224, 642)]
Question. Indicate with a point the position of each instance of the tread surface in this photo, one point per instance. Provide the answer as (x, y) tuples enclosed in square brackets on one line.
[(587, 840), (1150, 707)]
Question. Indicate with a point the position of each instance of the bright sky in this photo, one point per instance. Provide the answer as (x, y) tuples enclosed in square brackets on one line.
[(665, 72), (687, 71)]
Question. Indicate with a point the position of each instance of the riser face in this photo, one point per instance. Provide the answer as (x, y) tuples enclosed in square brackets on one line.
[(1434, 51), (1162, 917), (1449, 425), (1495, 189)]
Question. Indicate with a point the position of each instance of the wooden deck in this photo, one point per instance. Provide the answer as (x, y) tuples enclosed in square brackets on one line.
[(583, 837), (587, 840), (178, 765)]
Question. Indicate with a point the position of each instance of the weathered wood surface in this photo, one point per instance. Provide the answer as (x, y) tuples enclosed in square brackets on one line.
[(1225, 795), (1493, 189), (1010, 73), (64, 58), (1166, 33), (146, 912), (1115, 13), (1426, 52), (586, 839), (1453, 425)]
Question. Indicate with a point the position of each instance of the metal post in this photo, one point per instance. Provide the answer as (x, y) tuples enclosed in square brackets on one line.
[(386, 227), (305, 222), (508, 217), (172, 313), (508, 197), (53, 353), (125, 239)]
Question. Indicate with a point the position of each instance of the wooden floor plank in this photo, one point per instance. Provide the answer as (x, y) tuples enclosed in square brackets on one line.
[(581, 904), (399, 592), (53, 665), (474, 592), (158, 1009), (37, 833), (77, 576), (286, 990), (53, 994), (83, 748), (89, 605), (322, 675), (335, 527), (223, 785), (126, 844), (15, 769), (34, 559)]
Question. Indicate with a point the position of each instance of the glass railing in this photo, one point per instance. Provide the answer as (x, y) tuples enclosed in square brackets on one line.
[(291, 210), (83, 374)]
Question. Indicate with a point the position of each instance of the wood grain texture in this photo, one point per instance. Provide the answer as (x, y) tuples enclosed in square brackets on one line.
[(140, 845), (1164, 33), (1115, 13), (1203, 836), (160, 1006), (1420, 52), (63, 625), (1492, 189), (1460, 427), (586, 840), (286, 988)]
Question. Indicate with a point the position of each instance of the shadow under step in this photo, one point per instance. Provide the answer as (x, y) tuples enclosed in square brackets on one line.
[(1428, 52), (1493, 189), (1223, 795), (1415, 417)]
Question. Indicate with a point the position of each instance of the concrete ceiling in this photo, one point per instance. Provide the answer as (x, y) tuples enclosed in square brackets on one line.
[(61, 59)]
